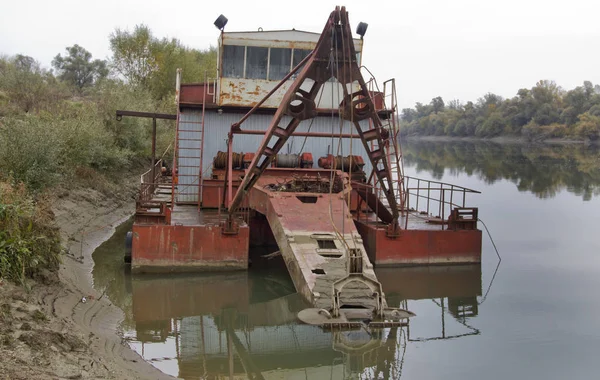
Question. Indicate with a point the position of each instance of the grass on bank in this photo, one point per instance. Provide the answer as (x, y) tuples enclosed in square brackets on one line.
[(29, 240)]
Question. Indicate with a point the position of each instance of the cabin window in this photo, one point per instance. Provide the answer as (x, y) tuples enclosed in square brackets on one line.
[(299, 55), (233, 61), (279, 63), (256, 62)]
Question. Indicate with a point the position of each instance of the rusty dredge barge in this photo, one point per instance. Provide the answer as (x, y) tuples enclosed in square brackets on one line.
[(291, 146)]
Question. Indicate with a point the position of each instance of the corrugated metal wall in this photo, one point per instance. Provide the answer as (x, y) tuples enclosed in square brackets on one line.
[(217, 127), (215, 139)]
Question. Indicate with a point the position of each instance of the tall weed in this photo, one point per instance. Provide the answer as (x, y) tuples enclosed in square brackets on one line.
[(29, 241)]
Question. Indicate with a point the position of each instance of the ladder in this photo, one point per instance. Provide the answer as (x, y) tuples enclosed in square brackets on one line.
[(394, 149), (187, 183)]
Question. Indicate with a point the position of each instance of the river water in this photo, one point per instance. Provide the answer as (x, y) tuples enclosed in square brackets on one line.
[(534, 315)]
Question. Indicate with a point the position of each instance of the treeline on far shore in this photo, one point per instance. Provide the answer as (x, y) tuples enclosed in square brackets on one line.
[(545, 111)]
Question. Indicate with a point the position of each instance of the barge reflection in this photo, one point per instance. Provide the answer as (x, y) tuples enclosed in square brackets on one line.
[(453, 289), (243, 325)]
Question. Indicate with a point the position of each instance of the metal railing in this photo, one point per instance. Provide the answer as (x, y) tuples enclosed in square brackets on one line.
[(427, 196), (393, 149), (148, 184)]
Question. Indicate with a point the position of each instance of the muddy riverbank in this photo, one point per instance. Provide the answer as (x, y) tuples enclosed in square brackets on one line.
[(61, 327)]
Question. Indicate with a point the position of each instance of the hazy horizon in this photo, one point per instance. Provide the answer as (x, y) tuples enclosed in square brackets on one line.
[(460, 50)]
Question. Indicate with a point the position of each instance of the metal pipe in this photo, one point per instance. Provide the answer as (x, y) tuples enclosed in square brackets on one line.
[(442, 201), (428, 196), (443, 207), (200, 173), (153, 149), (230, 169), (418, 193), (299, 134), (177, 85), (407, 213), (174, 170), (437, 182)]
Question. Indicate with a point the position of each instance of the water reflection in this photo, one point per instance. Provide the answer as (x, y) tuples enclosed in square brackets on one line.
[(542, 169), (244, 325), (453, 289)]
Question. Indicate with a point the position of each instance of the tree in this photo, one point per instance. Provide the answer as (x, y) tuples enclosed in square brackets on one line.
[(546, 91), (26, 85), (493, 126), (408, 114), (455, 104), (78, 68), (460, 129), (146, 61), (133, 54), (488, 103), (437, 104), (423, 109), (546, 115), (588, 126), (544, 111)]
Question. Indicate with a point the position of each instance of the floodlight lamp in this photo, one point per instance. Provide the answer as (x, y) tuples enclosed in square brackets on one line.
[(220, 22), (361, 29)]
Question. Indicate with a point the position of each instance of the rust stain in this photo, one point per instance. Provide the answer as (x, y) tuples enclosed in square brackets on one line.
[(256, 91)]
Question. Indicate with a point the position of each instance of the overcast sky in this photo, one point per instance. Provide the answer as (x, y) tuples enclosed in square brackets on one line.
[(457, 49)]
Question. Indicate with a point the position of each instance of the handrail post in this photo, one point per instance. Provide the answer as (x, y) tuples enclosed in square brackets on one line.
[(407, 214), (418, 193), (443, 207), (440, 211), (153, 147), (451, 198), (428, 195)]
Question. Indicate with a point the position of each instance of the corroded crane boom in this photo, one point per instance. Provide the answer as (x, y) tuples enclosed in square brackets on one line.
[(333, 56)]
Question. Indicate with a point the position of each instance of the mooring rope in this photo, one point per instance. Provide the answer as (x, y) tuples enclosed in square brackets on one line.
[(492, 240), (497, 265)]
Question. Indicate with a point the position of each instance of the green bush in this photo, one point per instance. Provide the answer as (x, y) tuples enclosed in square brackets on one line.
[(493, 126), (29, 241), (29, 151), (588, 126)]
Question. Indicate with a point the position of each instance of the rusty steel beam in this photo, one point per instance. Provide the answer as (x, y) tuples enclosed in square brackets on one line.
[(298, 103), (334, 56), (151, 115), (299, 134)]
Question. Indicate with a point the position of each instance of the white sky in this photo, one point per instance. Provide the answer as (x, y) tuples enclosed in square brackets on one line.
[(458, 49)]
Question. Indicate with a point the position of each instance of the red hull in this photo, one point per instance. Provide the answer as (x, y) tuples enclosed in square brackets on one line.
[(421, 247), (164, 248)]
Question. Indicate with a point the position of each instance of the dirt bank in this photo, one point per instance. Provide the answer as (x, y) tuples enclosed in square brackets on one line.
[(50, 331)]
